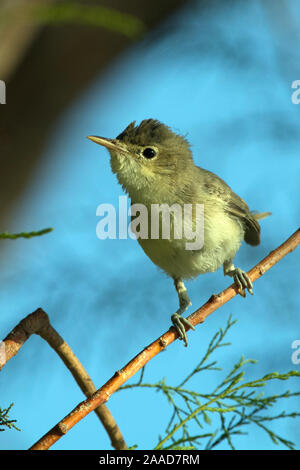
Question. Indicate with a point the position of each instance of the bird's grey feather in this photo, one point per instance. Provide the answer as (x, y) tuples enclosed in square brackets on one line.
[(235, 206)]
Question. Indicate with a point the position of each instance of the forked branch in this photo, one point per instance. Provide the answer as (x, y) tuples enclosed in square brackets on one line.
[(38, 323)]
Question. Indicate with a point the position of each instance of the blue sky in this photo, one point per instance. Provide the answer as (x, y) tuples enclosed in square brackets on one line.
[(222, 76)]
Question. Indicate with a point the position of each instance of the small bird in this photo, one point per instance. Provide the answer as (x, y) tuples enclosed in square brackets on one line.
[(154, 166)]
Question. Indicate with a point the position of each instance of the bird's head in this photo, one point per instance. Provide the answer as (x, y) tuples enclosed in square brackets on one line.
[(148, 157)]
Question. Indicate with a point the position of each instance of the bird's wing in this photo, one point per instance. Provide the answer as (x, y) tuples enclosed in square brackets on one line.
[(238, 208), (234, 205)]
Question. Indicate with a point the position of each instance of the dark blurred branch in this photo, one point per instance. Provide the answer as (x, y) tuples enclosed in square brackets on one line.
[(38, 323), (120, 377), (21, 20), (47, 61), (90, 15), (17, 33)]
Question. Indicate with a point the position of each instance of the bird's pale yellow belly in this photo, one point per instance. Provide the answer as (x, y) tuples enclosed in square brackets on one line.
[(222, 239)]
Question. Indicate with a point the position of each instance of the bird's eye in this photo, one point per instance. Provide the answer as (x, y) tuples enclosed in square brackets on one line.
[(149, 152)]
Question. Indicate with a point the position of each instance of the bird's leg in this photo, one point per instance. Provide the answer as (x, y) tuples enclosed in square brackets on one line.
[(241, 278), (178, 321)]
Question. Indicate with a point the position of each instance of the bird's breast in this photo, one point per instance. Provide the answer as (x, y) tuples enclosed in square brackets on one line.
[(218, 236)]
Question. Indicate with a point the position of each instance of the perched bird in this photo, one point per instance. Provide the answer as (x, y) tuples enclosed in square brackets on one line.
[(155, 166)]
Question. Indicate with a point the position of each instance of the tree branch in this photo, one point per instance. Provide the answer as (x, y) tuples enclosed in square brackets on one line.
[(120, 377), (13, 236), (38, 323)]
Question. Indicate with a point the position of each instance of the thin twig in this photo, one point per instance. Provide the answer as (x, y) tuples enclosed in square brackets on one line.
[(13, 236), (38, 323), (120, 377)]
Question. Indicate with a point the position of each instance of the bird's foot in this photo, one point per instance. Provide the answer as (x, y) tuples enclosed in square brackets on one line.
[(180, 323), (242, 281)]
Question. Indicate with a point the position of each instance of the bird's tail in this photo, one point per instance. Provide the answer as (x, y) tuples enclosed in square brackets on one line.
[(261, 215)]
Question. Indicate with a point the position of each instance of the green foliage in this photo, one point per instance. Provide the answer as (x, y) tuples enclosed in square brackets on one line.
[(5, 420), (13, 236), (90, 15), (229, 408)]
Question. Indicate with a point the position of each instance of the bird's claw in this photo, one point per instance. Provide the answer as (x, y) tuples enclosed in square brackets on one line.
[(242, 281), (179, 323)]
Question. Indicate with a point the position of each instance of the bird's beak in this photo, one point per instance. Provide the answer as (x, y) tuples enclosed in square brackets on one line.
[(110, 144)]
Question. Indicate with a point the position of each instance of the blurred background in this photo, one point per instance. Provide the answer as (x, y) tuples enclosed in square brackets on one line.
[(219, 73)]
